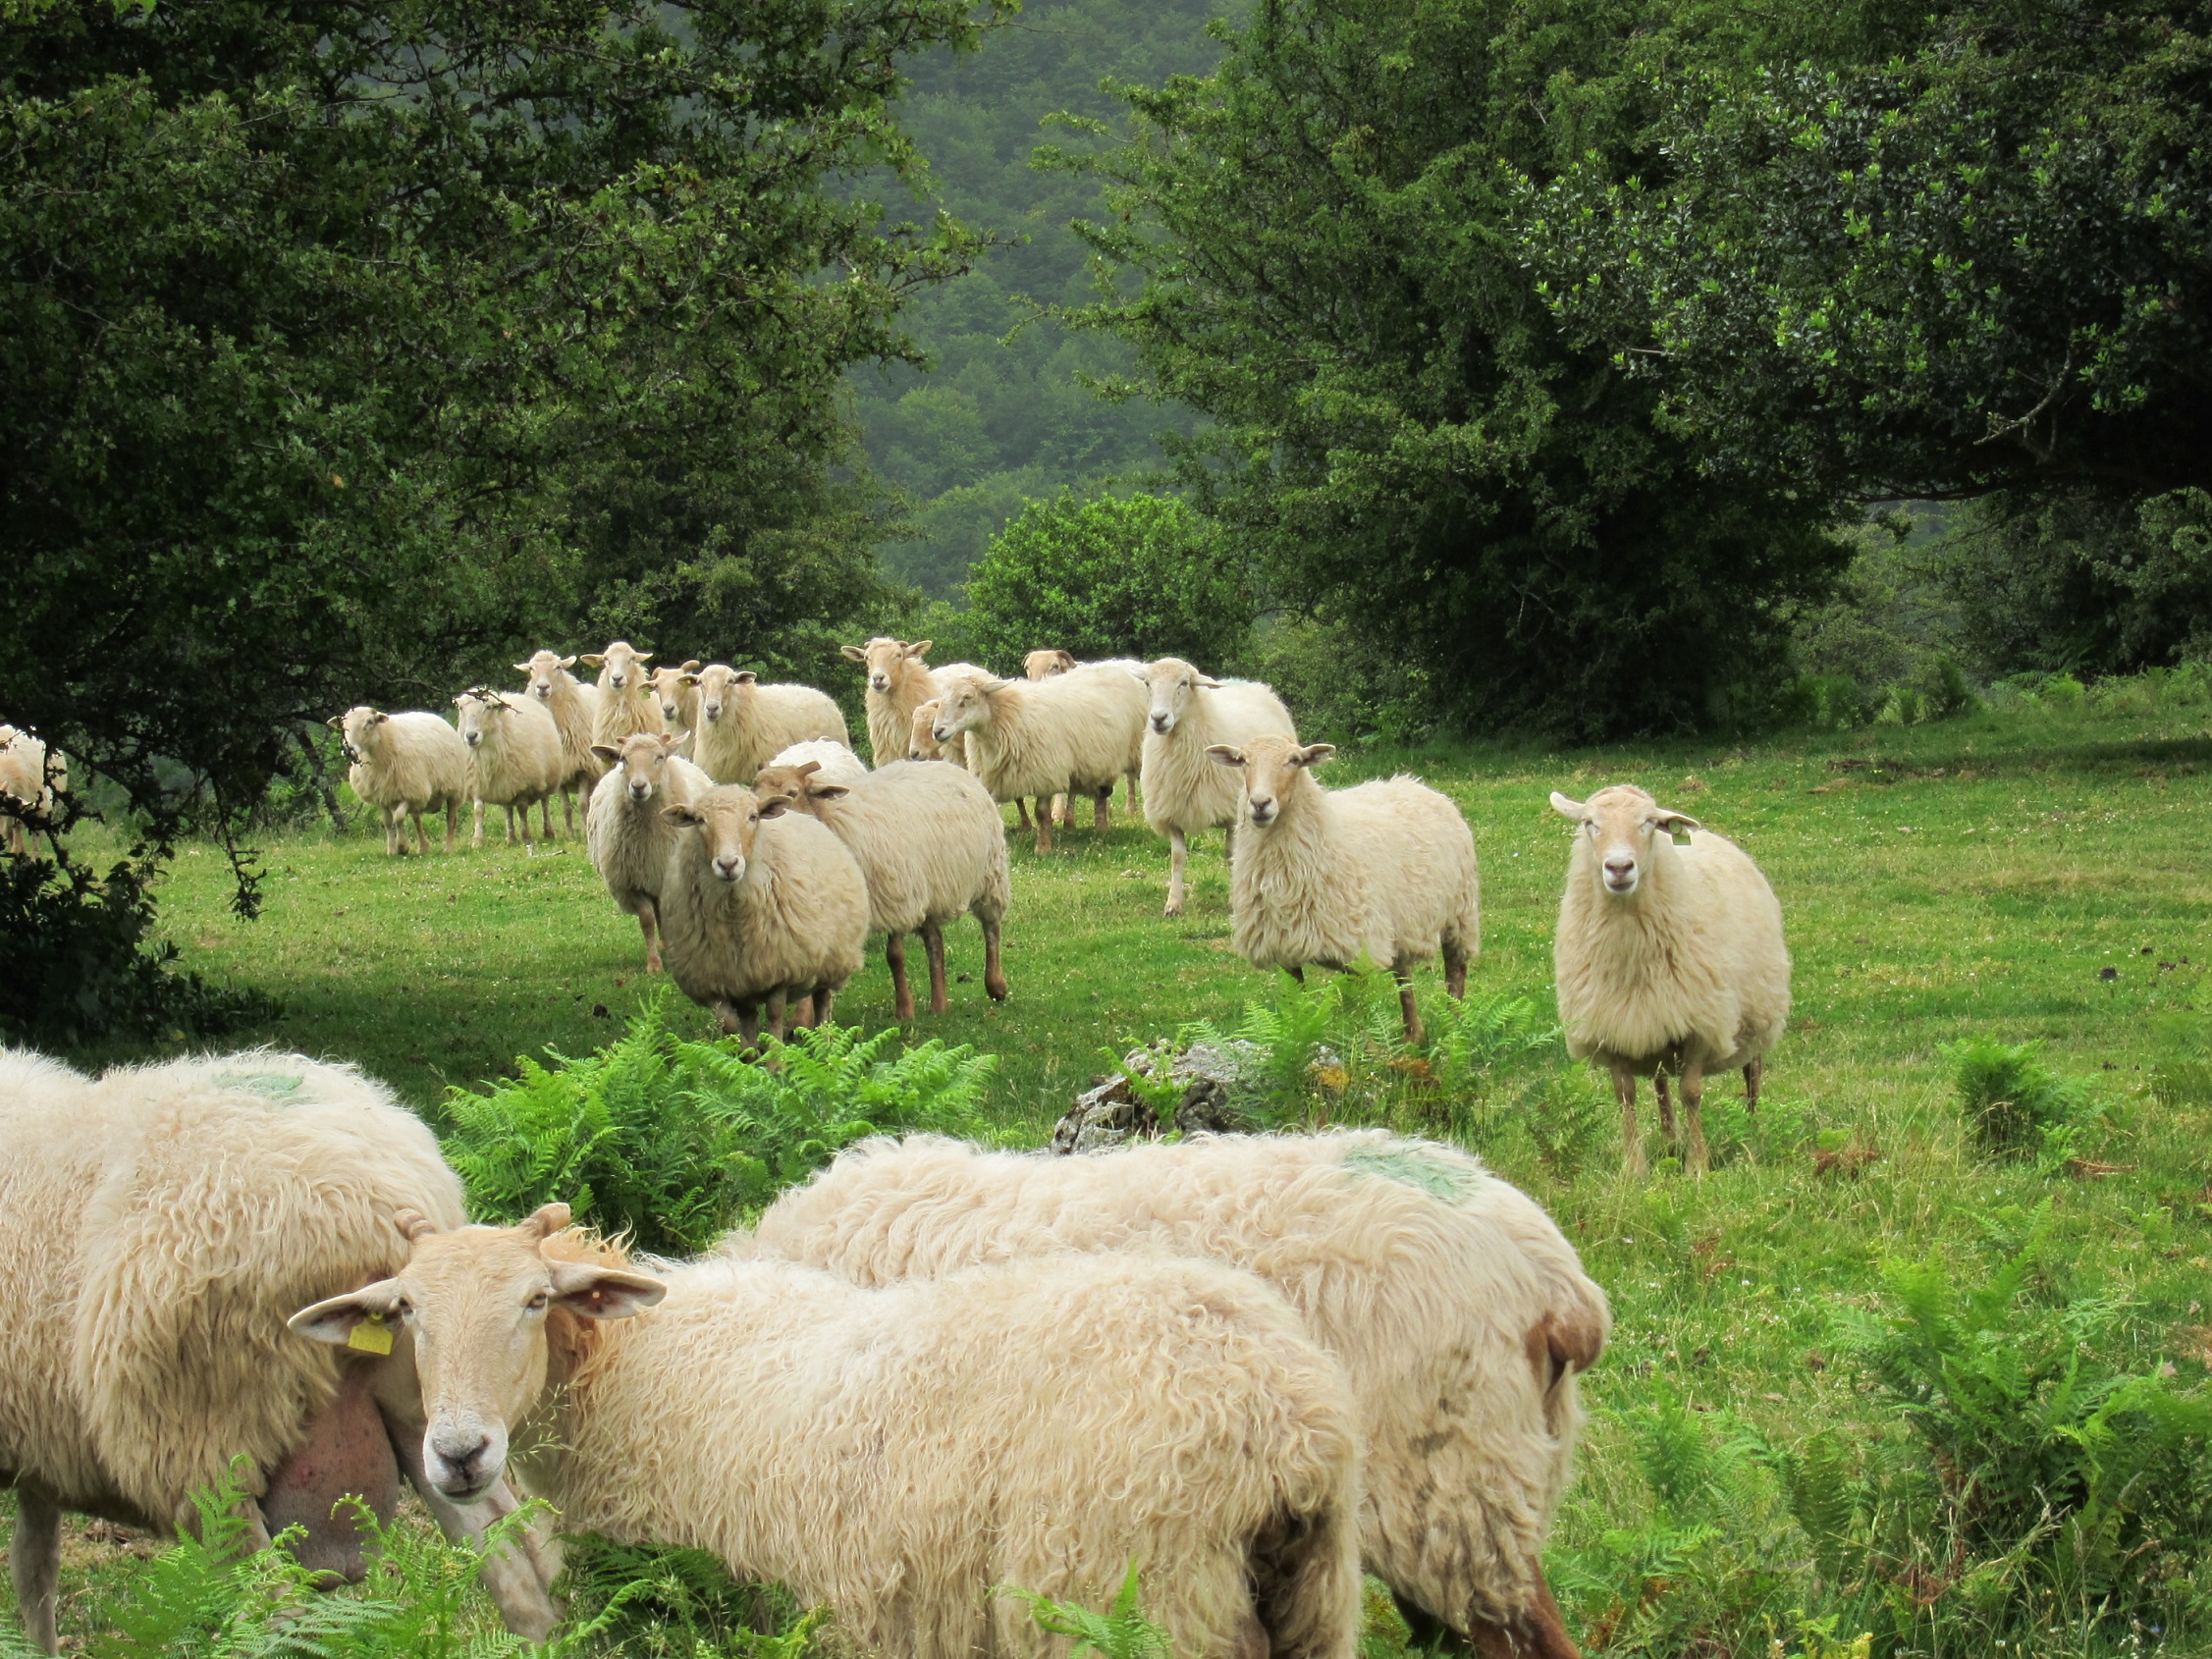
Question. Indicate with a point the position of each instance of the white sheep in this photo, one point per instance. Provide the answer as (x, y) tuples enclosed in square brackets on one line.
[(405, 765), (1047, 664), (922, 745), (1185, 792), (1458, 1308), (899, 1455), (759, 904), (1072, 735), (679, 699), (743, 723), (1669, 957), (627, 702), (29, 776), (629, 838), (163, 1222), (832, 761), (516, 757), (932, 846), (1384, 870), (574, 708)]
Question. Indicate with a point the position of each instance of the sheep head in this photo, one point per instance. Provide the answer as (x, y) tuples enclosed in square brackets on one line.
[(1043, 665), (356, 729), (621, 666), (478, 708), (727, 821), (668, 686), (885, 656), (792, 784), (965, 705), (1621, 829), (1274, 770), (474, 1305), (1171, 683), (644, 761), (921, 741), (544, 667)]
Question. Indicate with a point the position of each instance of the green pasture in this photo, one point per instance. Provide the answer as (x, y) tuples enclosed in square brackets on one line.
[(2038, 875)]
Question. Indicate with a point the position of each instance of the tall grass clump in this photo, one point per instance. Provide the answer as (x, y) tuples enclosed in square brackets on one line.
[(675, 1142), (2014, 1105)]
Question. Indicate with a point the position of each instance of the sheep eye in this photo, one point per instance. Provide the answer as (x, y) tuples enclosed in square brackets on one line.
[(540, 1301)]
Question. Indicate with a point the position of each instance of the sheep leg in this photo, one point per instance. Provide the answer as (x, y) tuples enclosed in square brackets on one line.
[(1408, 1009), (1693, 1102), (569, 811), (1021, 809), (994, 974), (1455, 971), (894, 955), (1102, 810), (1178, 849), (775, 1009), (422, 836), (823, 1000), (933, 941), (512, 837), (1059, 810), (1131, 802), (1044, 824), (1666, 1106), (1228, 842), (1632, 1143), (1752, 1072), (649, 924), (1539, 1632), (1297, 971), (476, 837), (544, 815), (35, 1560)]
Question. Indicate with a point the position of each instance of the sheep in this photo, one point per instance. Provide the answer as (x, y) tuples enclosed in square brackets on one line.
[(1045, 665), (900, 1454), (929, 842), (1185, 792), (1062, 735), (1669, 957), (162, 1222), (759, 904), (899, 682), (1458, 1309), (405, 765), (30, 776), (832, 761), (1384, 870), (679, 702), (515, 757), (574, 708), (922, 745), (743, 723), (628, 840), (627, 703)]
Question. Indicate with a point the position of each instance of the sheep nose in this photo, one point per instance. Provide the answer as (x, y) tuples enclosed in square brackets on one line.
[(878, 684), (730, 869), (1160, 722), (475, 738), (1620, 872), (638, 791), (461, 1451)]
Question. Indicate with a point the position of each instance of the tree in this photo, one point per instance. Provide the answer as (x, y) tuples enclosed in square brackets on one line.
[(1140, 577), (1318, 246)]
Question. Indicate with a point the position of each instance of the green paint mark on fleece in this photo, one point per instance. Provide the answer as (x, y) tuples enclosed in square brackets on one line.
[(269, 1084), (1412, 1164)]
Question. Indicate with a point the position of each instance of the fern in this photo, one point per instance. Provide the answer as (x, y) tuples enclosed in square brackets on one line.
[(1121, 1632), (2014, 1105)]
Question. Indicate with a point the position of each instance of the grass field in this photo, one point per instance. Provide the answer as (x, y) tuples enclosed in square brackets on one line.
[(2035, 875)]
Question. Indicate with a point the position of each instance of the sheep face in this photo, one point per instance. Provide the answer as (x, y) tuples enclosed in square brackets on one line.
[(644, 761), (1621, 826), (478, 709), (921, 745), (667, 686), (1172, 684), (542, 667), (1274, 770), (620, 665), (718, 688), (474, 1305), (966, 707), (881, 656), (727, 821), (1043, 665), (791, 784), (359, 731)]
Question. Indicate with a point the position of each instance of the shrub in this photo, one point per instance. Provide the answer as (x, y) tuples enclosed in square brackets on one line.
[(673, 1142), (1137, 577), (2014, 1105)]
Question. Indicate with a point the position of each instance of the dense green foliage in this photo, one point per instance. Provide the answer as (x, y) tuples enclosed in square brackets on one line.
[(1140, 577)]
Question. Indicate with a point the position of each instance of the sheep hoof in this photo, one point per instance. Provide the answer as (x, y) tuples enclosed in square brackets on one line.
[(1174, 907)]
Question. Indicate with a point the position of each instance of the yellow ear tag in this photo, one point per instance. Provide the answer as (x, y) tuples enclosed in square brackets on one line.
[(371, 1336)]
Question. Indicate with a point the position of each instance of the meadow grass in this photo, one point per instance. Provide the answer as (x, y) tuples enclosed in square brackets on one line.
[(2038, 875)]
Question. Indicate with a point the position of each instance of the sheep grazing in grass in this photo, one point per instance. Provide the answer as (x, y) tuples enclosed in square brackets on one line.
[(162, 1223), (759, 904), (1669, 957), (743, 723), (898, 1455), (928, 841), (1459, 1310), (405, 765), (516, 757), (627, 702), (30, 775), (679, 699), (574, 708), (1185, 792), (1384, 870), (829, 761), (1071, 735), (629, 837)]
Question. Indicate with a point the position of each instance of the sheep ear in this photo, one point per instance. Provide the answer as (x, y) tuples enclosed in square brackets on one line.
[(1208, 681), (988, 686), (1225, 754), (690, 679), (682, 816), (744, 676), (694, 665), (377, 717), (522, 667), (776, 808), (1313, 754), (590, 660), (830, 791), (603, 1292), (333, 1318), (544, 1221), (920, 648), (1566, 808), (853, 652), (667, 739), (1067, 660), (642, 656), (1678, 823), (607, 752), (807, 768), (337, 722), (1143, 676)]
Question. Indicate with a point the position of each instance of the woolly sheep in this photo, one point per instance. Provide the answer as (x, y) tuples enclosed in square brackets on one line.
[(516, 757), (899, 1453), (678, 700), (922, 745), (1668, 957), (1384, 870), (743, 723), (29, 776), (405, 765), (628, 840), (1185, 792), (627, 703), (1075, 734), (758, 904), (162, 1223), (1458, 1309), (574, 708), (928, 841), (832, 760), (1045, 665)]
